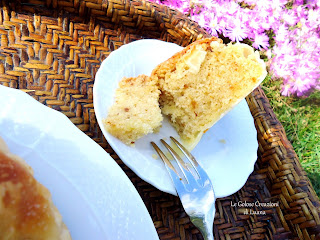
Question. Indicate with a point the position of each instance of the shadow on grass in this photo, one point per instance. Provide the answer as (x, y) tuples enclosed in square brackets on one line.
[(315, 181), (313, 99)]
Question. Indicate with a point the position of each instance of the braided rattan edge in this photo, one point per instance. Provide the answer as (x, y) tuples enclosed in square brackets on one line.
[(52, 49)]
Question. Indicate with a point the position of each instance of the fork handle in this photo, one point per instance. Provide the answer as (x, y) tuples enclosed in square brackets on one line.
[(205, 226)]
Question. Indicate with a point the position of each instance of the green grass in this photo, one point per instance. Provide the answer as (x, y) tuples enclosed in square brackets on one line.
[(300, 119)]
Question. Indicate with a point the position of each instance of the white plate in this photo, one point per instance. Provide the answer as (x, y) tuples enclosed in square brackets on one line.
[(94, 196), (227, 151)]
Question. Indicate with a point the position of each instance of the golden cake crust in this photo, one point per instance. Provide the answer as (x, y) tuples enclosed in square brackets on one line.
[(170, 63)]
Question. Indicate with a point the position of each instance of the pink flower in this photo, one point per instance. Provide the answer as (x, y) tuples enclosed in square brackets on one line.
[(261, 41), (285, 90), (300, 87), (280, 70), (200, 19), (314, 17), (298, 2), (231, 7), (213, 25), (290, 18), (313, 3), (282, 33), (236, 33)]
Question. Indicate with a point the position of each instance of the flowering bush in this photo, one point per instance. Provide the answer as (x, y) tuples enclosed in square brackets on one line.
[(287, 32)]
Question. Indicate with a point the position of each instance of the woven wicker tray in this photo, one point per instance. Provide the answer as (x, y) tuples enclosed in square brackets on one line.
[(52, 50)]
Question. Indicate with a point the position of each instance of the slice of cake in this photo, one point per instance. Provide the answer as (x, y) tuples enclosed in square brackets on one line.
[(26, 207), (135, 111), (197, 87), (203, 82)]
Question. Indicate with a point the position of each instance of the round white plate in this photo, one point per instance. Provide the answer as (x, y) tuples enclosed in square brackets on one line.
[(227, 151), (94, 196)]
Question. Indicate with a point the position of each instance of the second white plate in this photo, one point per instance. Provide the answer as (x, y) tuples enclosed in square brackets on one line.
[(94, 196), (227, 151)]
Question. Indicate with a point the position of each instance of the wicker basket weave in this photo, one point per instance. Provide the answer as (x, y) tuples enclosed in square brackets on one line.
[(52, 50)]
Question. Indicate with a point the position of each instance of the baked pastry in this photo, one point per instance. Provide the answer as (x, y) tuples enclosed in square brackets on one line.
[(203, 82), (26, 208), (198, 86), (135, 111)]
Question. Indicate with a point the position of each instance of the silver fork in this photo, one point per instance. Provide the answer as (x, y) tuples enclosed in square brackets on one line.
[(193, 187)]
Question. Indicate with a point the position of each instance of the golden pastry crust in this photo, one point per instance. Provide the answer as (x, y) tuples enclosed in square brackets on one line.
[(26, 208)]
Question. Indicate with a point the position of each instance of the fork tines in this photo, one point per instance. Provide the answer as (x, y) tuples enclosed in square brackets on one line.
[(190, 166), (193, 186)]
